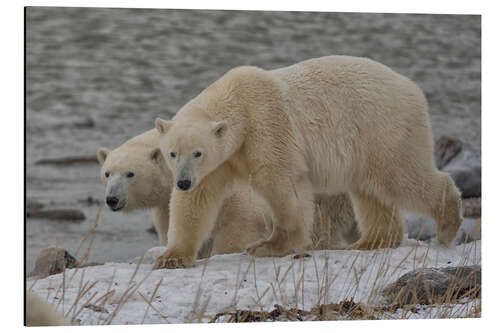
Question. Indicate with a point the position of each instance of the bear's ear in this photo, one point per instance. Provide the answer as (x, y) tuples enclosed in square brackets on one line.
[(219, 128), (102, 153), (155, 154), (162, 126)]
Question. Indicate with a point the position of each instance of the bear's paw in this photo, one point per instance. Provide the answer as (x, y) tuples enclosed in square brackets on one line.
[(170, 261)]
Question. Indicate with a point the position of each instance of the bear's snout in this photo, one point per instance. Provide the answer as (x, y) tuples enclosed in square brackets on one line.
[(112, 201), (184, 184)]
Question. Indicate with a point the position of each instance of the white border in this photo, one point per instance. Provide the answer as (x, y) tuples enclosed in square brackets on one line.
[(12, 18)]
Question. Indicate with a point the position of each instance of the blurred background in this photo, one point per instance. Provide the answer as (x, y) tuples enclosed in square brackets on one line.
[(97, 77)]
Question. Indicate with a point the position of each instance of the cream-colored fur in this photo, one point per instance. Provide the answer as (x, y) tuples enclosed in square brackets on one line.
[(41, 313), (244, 218), (149, 188), (330, 125)]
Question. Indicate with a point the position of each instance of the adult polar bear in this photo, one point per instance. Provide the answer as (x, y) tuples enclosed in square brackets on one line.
[(328, 125), (136, 177)]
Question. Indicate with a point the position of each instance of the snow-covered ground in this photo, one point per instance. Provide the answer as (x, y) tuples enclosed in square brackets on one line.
[(131, 293)]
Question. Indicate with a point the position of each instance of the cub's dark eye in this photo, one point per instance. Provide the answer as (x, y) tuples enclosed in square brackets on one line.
[(173, 154), (106, 174), (197, 154), (130, 174)]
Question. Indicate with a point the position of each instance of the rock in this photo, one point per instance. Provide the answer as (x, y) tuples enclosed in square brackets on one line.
[(53, 261), (88, 122), (464, 167), (445, 149), (434, 285), (469, 231), (90, 264), (56, 214), (90, 201), (423, 228), (34, 205), (69, 160), (467, 180), (472, 207)]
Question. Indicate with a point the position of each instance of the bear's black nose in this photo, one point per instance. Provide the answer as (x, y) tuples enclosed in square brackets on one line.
[(112, 201), (184, 184)]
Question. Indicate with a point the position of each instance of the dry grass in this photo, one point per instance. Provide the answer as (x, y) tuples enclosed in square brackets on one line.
[(457, 302)]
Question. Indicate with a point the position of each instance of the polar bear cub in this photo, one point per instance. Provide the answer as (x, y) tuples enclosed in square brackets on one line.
[(336, 124)]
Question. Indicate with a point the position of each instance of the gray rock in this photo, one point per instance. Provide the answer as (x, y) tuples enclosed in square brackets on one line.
[(434, 285), (469, 231), (87, 122), (53, 261), (90, 201), (465, 169), (445, 149), (467, 180), (56, 214), (472, 207), (69, 160), (33, 205)]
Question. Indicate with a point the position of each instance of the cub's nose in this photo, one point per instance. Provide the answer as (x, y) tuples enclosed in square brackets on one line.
[(184, 184), (112, 201)]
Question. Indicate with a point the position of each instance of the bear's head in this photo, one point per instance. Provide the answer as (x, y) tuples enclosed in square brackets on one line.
[(193, 148), (135, 174)]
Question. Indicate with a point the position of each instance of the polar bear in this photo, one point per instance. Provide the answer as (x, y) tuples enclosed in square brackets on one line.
[(136, 177), (40, 313), (335, 124)]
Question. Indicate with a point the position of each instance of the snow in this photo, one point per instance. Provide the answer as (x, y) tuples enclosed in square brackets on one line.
[(119, 293)]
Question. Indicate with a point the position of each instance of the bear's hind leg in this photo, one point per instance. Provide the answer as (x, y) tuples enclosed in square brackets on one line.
[(161, 216), (448, 213), (243, 220), (381, 226), (293, 209), (439, 198)]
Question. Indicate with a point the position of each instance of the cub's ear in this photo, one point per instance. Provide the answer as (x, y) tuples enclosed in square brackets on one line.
[(219, 128), (102, 153), (155, 154), (162, 126)]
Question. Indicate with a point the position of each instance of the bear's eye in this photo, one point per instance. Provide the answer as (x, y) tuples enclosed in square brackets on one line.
[(173, 154), (106, 174), (197, 154), (130, 174)]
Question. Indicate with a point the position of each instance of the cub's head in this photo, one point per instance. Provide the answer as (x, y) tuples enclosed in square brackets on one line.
[(135, 176), (192, 148)]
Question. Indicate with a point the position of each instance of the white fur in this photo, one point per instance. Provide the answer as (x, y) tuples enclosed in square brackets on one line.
[(41, 313), (330, 125)]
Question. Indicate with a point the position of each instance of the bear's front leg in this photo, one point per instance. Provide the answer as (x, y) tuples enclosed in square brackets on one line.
[(192, 219)]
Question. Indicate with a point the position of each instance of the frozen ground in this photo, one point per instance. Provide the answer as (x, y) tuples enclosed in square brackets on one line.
[(129, 293)]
